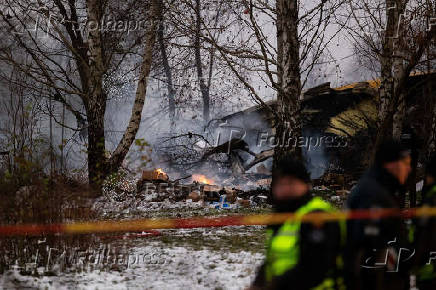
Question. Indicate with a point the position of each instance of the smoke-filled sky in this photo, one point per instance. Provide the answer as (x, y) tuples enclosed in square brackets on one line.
[(228, 95)]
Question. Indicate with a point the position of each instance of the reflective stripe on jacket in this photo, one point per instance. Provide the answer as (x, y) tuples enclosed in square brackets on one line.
[(283, 247)]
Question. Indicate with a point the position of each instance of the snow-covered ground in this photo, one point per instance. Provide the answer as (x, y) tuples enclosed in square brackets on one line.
[(204, 258), (220, 258)]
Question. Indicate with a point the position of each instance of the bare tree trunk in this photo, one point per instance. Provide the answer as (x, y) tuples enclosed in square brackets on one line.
[(288, 126), (96, 102), (386, 61), (97, 169), (203, 87), (135, 119), (397, 122), (62, 139), (431, 143), (386, 89), (398, 69), (389, 78), (167, 68), (51, 138), (93, 55)]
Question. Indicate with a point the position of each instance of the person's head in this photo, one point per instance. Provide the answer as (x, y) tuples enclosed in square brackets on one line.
[(291, 179), (430, 171), (395, 158)]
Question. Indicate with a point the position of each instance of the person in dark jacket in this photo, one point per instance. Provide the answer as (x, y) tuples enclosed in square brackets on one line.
[(372, 255), (300, 255), (424, 234)]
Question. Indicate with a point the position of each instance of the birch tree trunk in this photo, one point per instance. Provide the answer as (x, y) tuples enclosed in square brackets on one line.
[(386, 83), (389, 78), (288, 125), (167, 68), (399, 94), (398, 118), (198, 63), (398, 70), (135, 119)]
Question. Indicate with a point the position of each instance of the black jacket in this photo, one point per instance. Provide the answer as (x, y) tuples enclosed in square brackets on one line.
[(376, 189), (368, 239)]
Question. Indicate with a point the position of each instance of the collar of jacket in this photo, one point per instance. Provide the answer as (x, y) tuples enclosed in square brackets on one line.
[(385, 179), (289, 205), (292, 204)]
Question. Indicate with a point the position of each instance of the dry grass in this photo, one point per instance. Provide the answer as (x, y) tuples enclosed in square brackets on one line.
[(45, 200)]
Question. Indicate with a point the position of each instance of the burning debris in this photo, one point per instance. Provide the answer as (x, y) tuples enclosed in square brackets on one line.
[(245, 190), (157, 192), (155, 175), (200, 178)]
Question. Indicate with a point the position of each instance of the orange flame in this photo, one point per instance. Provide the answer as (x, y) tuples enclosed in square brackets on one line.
[(202, 179), (160, 174)]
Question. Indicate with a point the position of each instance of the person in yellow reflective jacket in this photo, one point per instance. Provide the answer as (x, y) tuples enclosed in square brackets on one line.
[(300, 255), (423, 234)]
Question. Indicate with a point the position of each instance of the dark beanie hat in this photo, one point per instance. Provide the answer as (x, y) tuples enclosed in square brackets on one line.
[(291, 166), (390, 151)]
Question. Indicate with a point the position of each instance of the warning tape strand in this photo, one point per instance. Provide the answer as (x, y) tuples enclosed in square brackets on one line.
[(201, 222)]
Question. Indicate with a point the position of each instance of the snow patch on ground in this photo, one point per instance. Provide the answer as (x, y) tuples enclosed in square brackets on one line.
[(175, 268)]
